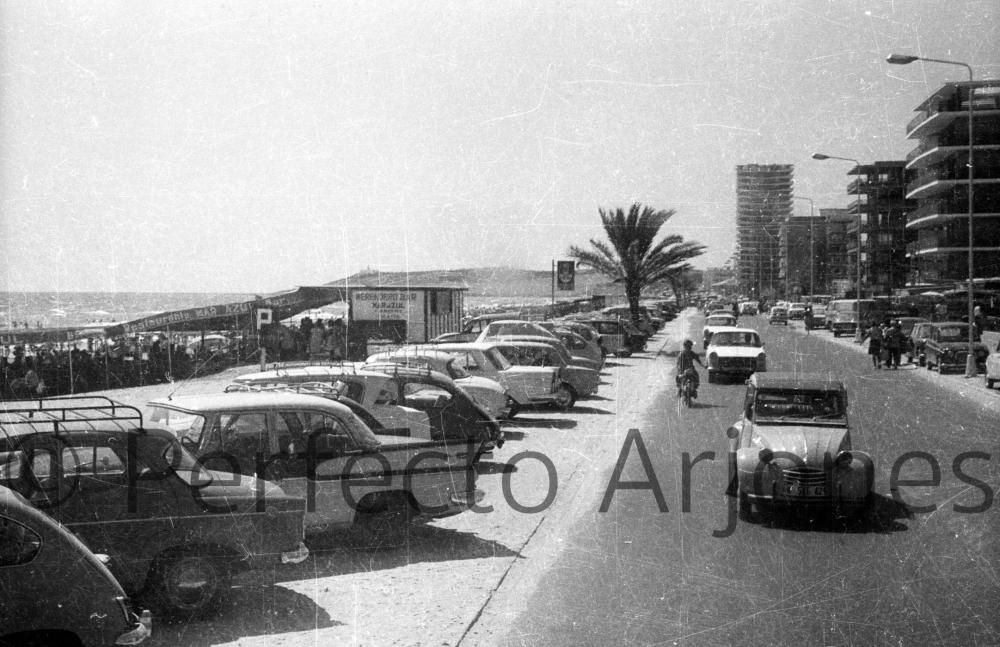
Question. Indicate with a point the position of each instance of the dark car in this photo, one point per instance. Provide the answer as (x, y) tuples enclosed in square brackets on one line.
[(917, 340), (907, 325), (175, 531), (53, 589), (947, 347)]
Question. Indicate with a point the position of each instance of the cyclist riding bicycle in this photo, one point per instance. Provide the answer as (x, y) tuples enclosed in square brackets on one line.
[(686, 360)]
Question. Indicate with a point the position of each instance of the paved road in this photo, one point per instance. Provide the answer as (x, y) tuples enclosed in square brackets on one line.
[(638, 576)]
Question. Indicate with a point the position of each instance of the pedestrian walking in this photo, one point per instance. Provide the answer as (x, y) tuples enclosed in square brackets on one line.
[(873, 333), (809, 317), (894, 344)]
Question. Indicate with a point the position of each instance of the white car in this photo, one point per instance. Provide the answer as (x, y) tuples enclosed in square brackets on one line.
[(714, 323), (735, 352)]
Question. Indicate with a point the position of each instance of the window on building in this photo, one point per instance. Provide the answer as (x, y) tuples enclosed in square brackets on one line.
[(441, 302)]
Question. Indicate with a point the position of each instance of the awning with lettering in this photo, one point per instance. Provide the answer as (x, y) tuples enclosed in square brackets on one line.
[(227, 315)]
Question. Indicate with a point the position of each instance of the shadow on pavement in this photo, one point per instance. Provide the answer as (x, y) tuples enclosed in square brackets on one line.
[(492, 467), (883, 515), (579, 409), (252, 608), (554, 423)]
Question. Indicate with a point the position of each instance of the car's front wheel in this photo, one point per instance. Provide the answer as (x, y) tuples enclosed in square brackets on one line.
[(565, 397), (188, 584)]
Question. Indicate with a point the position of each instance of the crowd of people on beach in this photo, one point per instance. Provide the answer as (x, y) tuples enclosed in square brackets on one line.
[(48, 369)]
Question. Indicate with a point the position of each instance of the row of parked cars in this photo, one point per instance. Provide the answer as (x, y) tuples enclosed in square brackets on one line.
[(159, 508)]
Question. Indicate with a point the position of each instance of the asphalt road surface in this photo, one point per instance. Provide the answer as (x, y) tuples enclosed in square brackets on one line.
[(636, 575)]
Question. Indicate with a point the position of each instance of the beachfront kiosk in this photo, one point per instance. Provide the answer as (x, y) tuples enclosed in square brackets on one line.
[(394, 312)]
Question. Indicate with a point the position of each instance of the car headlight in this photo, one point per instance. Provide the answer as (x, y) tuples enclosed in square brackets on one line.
[(843, 459), (765, 455)]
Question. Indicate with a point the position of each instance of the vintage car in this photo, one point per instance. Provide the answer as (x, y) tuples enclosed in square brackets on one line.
[(487, 393), (474, 327), (777, 315), (581, 380), (793, 446), (175, 531), (53, 589), (906, 325), (735, 352), (510, 328), (992, 370), (585, 348), (414, 402), (715, 323), (619, 337), (947, 347), (818, 319), (311, 445), (526, 385), (748, 308), (645, 322), (916, 342), (797, 311)]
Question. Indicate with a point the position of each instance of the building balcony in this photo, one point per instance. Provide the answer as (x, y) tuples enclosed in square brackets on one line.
[(933, 181)]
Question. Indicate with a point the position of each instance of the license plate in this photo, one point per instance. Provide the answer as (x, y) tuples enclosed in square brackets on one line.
[(794, 489)]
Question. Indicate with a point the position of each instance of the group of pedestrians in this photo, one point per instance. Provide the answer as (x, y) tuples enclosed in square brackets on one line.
[(885, 343)]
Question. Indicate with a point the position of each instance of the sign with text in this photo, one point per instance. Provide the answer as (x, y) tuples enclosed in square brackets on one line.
[(565, 275), (378, 305)]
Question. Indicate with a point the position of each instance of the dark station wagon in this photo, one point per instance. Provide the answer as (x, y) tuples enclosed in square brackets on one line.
[(53, 590), (175, 531)]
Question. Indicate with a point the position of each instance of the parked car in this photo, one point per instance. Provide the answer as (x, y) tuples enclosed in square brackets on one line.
[(526, 385), (474, 327), (797, 311), (992, 371), (777, 315), (511, 328), (578, 346), (581, 380), (917, 341), (715, 323), (411, 402), (748, 308), (947, 347), (906, 325), (310, 445), (618, 336), (646, 322), (487, 393), (735, 352), (793, 446), (53, 589), (175, 531)]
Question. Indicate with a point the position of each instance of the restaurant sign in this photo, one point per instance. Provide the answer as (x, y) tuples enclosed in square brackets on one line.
[(381, 305)]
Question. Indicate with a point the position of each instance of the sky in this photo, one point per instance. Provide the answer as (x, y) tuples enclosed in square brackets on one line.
[(255, 146)]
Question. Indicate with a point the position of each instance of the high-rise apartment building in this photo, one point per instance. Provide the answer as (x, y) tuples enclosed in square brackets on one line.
[(763, 204), (939, 184)]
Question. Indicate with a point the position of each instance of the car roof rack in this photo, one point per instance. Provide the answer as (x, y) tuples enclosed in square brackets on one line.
[(66, 414)]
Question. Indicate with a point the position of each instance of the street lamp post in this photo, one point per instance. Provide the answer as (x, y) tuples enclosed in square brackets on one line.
[(904, 59), (857, 193), (812, 252)]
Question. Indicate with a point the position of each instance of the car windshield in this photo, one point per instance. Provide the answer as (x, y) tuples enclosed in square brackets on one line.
[(727, 338), (800, 405), (719, 321), (953, 333), (182, 424)]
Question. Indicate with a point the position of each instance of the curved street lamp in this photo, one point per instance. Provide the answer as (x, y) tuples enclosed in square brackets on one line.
[(905, 59), (857, 193)]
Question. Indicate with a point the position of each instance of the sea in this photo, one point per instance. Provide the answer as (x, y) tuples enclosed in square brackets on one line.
[(58, 309), (65, 309)]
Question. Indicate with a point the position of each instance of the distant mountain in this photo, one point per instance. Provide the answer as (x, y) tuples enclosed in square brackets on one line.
[(488, 281)]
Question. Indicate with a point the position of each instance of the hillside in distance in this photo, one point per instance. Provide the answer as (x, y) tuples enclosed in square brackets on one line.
[(492, 281)]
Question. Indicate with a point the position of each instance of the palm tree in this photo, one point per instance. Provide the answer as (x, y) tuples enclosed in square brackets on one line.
[(631, 255)]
